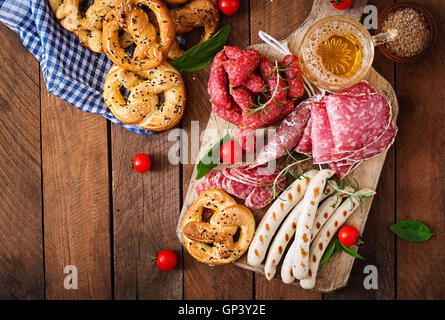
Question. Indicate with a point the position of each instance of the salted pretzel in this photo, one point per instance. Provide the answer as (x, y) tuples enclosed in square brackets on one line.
[(129, 16), (86, 25), (175, 1), (213, 242), (143, 106), (196, 14)]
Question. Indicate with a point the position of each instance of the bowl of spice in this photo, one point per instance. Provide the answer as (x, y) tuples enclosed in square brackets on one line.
[(416, 29)]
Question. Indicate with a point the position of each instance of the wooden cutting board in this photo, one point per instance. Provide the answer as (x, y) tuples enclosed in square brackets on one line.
[(335, 273)]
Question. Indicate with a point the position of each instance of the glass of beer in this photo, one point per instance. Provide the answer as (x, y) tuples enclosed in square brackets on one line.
[(337, 52)]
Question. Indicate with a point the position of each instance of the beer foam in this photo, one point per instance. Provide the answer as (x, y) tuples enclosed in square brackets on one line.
[(314, 63)]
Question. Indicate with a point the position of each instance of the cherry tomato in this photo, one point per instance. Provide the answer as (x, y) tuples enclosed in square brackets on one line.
[(230, 152), (341, 4), (348, 235), (166, 260), (228, 7), (141, 162)]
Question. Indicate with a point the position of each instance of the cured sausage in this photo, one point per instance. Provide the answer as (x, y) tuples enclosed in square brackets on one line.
[(246, 139), (240, 69), (272, 77), (217, 86), (233, 114), (287, 135), (306, 221), (283, 236), (274, 216), (293, 75), (325, 235)]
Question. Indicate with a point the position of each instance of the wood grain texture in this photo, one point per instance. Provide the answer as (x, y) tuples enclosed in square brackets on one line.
[(283, 18), (379, 244), (420, 168), (145, 209), (202, 281), (21, 250), (76, 200)]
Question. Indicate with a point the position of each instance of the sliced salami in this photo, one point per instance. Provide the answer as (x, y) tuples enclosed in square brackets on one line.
[(362, 87), (323, 149), (246, 139), (357, 120), (380, 145), (261, 197), (305, 144), (342, 169), (287, 135)]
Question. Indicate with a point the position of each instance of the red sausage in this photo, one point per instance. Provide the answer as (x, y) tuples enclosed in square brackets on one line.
[(240, 69), (296, 89), (270, 77), (217, 86)]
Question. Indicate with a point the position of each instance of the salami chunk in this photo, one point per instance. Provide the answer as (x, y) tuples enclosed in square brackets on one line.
[(271, 77), (357, 120), (234, 53), (305, 144), (233, 115), (323, 149), (217, 86), (294, 76), (287, 135), (239, 70)]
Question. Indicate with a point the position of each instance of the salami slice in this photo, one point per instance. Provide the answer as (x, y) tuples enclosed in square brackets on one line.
[(362, 87), (261, 197), (294, 76), (217, 86), (287, 135), (380, 145), (239, 70), (342, 171), (323, 149), (357, 120), (305, 144)]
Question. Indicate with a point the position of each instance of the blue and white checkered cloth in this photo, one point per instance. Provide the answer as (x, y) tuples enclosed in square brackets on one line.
[(71, 72)]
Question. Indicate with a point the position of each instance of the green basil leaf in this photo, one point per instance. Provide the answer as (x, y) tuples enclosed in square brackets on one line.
[(209, 160), (350, 251), (203, 53), (328, 253), (412, 230)]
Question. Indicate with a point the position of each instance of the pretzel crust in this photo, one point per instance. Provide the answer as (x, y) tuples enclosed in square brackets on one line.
[(212, 242), (142, 107), (129, 16)]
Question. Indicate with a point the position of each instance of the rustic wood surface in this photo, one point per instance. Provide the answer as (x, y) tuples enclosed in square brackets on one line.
[(69, 198)]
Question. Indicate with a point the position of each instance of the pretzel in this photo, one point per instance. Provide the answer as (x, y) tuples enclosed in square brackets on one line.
[(129, 16), (175, 1), (195, 14), (142, 106), (86, 25), (213, 242)]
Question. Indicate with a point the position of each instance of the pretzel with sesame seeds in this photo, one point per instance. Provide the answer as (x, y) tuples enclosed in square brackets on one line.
[(151, 49), (195, 14), (213, 242), (86, 25), (142, 107)]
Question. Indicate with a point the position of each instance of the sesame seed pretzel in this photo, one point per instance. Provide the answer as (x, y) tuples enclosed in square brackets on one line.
[(142, 107), (129, 16), (195, 14), (86, 25), (213, 242)]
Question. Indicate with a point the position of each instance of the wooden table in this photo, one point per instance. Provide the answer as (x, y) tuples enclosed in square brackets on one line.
[(68, 196)]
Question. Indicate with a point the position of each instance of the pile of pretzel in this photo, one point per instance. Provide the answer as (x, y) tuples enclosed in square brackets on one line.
[(156, 98)]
